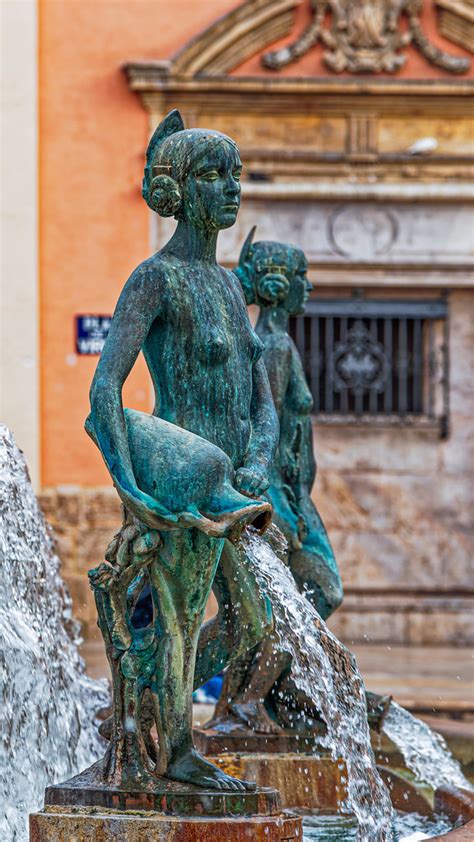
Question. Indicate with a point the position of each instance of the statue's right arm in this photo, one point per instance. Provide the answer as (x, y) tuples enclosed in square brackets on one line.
[(137, 308), (278, 357)]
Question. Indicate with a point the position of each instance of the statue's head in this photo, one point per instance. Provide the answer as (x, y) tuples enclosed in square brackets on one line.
[(274, 275), (192, 174)]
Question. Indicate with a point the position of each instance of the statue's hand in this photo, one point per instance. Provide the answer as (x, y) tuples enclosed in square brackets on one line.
[(251, 481), (146, 509)]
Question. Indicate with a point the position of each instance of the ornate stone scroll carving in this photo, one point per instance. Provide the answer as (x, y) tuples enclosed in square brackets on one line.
[(456, 21), (365, 36)]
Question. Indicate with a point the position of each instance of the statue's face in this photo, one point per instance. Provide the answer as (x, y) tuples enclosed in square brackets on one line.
[(211, 191), (300, 287)]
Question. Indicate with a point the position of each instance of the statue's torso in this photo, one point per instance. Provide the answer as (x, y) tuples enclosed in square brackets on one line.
[(200, 352), (296, 406)]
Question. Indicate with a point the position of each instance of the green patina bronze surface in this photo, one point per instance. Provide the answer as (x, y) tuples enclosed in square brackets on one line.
[(190, 475), (273, 276)]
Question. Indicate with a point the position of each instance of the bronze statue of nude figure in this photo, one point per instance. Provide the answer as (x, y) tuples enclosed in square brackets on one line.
[(190, 475), (258, 692)]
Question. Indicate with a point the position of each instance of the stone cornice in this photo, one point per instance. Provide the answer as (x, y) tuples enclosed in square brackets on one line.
[(160, 90), (383, 192), (161, 76)]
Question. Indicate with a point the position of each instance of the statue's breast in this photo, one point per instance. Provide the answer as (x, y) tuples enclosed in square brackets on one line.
[(214, 346), (299, 397), (256, 347)]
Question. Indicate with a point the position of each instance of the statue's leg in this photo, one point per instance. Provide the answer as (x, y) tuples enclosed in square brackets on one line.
[(314, 566), (243, 619), (248, 704), (247, 644), (127, 757), (181, 582)]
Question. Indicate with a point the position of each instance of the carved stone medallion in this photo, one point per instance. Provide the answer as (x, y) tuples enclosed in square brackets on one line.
[(363, 232)]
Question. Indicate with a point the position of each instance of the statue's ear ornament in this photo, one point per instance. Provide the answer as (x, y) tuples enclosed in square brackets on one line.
[(164, 195), (161, 169)]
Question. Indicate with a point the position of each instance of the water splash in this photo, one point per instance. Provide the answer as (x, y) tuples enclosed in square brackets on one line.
[(409, 827), (425, 752), (327, 673), (48, 703)]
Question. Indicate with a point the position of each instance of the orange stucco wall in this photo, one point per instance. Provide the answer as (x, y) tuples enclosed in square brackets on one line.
[(94, 223)]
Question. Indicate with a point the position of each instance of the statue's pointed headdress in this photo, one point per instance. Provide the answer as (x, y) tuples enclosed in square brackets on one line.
[(245, 250), (244, 269), (172, 123)]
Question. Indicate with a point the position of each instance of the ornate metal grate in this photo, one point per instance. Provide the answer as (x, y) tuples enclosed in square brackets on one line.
[(384, 360)]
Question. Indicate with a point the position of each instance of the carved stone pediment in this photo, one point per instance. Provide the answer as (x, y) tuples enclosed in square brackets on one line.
[(365, 36)]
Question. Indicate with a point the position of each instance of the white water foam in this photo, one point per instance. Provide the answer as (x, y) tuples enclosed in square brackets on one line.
[(425, 752), (48, 703)]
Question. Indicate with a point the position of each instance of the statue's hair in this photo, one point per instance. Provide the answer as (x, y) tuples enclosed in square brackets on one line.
[(170, 156), (268, 289)]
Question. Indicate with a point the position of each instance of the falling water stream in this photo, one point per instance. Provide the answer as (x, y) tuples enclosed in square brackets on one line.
[(327, 673), (425, 752), (48, 704)]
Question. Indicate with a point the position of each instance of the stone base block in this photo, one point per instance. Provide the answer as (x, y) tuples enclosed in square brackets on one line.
[(243, 741), (462, 834), (455, 803), (56, 824), (303, 780)]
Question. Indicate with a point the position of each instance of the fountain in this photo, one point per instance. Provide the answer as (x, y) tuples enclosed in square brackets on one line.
[(192, 478)]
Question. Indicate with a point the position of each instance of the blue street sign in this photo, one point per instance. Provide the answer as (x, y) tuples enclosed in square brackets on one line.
[(91, 333)]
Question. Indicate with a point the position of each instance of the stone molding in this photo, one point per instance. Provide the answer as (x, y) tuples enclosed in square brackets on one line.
[(235, 37)]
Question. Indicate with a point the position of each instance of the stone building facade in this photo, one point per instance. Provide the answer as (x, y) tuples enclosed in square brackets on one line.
[(357, 147)]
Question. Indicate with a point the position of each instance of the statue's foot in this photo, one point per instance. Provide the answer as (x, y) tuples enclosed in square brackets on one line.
[(228, 724), (191, 768), (256, 717)]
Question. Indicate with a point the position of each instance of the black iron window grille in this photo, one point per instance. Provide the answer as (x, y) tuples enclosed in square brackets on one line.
[(376, 361)]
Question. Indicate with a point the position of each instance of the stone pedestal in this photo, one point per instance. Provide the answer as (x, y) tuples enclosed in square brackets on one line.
[(83, 824), (86, 808)]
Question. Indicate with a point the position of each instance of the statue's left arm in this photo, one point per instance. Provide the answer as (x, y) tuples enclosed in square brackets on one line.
[(252, 478)]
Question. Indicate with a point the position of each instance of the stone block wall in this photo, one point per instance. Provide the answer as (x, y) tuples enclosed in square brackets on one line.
[(84, 521), (397, 504)]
